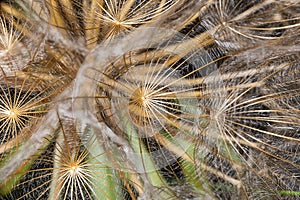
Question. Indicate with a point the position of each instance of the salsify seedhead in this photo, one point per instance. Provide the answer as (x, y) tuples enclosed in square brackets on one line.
[(158, 99), (22, 102), (13, 52)]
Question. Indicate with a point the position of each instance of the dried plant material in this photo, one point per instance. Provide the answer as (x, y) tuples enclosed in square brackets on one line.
[(158, 99)]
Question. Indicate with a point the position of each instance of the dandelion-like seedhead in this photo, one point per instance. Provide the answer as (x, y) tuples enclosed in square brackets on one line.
[(22, 102), (13, 52), (252, 130), (205, 108), (101, 21), (238, 24), (67, 170), (122, 16), (148, 94), (9, 36)]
